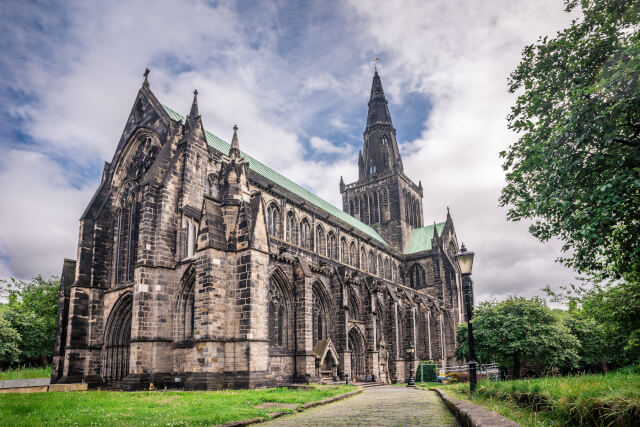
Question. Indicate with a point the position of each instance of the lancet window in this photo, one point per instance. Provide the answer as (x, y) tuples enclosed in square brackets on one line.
[(126, 234), (417, 277), (273, 219)]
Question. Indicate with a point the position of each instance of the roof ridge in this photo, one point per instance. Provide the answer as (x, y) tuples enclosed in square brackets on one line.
[(269, 173)]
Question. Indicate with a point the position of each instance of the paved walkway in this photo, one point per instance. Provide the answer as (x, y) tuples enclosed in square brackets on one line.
[(376, 406)]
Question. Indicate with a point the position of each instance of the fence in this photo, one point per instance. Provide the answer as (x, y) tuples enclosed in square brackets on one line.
[(486, 370)]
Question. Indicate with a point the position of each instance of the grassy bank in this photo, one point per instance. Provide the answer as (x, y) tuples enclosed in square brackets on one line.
[(150, 408), (25, 373), (589, 399)]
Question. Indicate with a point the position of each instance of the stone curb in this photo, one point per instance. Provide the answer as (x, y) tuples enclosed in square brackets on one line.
[(275, 415), (470, 415), (38, 385)]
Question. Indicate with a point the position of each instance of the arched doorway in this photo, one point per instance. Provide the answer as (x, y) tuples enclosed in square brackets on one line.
[(115, 349), (357, 349)]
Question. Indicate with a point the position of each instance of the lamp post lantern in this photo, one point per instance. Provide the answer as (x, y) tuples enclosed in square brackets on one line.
[(465, 263), (411, 351)]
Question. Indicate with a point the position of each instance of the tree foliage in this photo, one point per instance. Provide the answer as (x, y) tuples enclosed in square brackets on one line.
[(32, 312), (518, 331), (9, 342), (575, 169)]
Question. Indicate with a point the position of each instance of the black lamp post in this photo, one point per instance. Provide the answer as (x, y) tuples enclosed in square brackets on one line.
[(465, 262), (411, 351)]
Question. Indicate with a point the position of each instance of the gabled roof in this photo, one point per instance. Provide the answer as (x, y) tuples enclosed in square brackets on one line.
[(286, 183), (421, 238)]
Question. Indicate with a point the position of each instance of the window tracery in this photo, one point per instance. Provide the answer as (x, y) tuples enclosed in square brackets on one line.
[(273, 219)]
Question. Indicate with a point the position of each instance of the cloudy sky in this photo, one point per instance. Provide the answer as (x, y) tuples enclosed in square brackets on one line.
[(295, 76)]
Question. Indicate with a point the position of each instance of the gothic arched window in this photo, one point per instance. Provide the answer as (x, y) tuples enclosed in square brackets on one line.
[(344, 255), (280, 311), (376, 208), (387, 269), (319, 315), (273, 219), (363, 259), (332, 247), (417, 277), (305, 234), (185, 310), (364, 213), (384, 205), (320, 241), (291, 227), (372, 262), (353, 255), (126, 234)]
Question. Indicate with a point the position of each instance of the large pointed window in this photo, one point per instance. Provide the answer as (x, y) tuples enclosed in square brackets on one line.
[(185, 309), (273, 219), (280, 312), (126, 234)]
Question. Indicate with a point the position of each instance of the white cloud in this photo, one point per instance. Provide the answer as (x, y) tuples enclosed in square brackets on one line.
[(322, 145), (460, 54), (457, 53), (39, 214)]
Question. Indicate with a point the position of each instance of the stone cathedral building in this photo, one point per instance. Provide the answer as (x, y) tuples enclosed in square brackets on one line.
[(200, 267)]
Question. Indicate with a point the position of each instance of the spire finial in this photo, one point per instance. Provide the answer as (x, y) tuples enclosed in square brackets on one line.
[(194, 105), (146, 77), (234, 151)]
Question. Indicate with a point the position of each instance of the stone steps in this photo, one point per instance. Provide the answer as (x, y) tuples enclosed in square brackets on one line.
[(370, 384)]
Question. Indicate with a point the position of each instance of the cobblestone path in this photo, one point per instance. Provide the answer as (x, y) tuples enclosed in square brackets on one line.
[(376, 406)]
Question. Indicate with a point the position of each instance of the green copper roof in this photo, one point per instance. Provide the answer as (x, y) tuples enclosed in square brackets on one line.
[(421, 238), (285, 183)]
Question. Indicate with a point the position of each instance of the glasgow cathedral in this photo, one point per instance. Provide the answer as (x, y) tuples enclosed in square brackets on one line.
[(201, 268)]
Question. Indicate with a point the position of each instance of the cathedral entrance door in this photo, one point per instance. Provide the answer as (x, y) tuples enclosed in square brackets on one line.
[(115, 349), (357, 349)]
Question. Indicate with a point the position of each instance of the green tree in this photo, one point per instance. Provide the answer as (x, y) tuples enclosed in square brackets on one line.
[(575, 169), (32, 311), (520, 330), (9, 342)]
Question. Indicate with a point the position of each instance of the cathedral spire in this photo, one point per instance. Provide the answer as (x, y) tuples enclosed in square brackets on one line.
[(378, 109), (380, 153), (234, 151), (194, 106)]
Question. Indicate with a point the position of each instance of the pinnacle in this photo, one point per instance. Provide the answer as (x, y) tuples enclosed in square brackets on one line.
[(194, 106), (234, 151)]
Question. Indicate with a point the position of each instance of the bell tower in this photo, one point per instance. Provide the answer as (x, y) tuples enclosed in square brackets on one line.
[(383, 196)]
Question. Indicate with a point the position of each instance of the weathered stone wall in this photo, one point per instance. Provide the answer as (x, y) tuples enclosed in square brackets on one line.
[(203, 259)]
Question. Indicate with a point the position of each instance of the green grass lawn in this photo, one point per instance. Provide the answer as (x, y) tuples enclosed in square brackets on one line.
[(589, 399), (25, 373), (165, 408)]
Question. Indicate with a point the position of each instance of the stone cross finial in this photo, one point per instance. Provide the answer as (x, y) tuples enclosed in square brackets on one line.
[(146, 77)]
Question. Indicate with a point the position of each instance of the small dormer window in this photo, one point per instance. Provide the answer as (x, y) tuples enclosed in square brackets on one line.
[(384, 140)]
